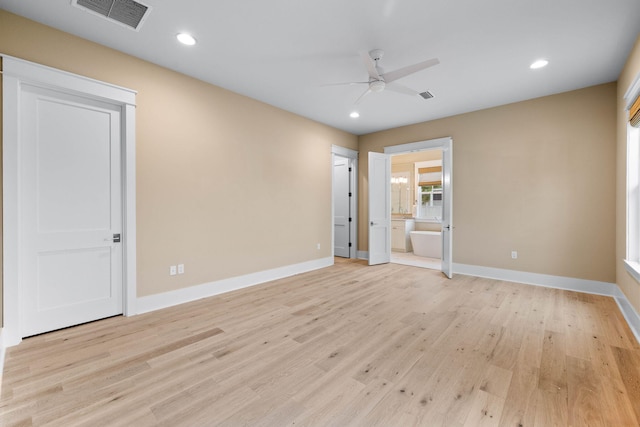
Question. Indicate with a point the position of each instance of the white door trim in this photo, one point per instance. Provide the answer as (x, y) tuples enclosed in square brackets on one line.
[(353, 156), (15, 73)]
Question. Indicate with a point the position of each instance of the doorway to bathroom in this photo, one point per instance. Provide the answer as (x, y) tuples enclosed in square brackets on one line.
[(416, 209), (410, 205)]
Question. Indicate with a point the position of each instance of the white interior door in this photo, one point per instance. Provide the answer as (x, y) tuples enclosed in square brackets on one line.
[(379, 208), (341, 208), (447, 210), (70, 209)]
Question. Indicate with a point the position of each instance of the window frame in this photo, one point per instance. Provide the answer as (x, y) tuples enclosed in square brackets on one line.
[(632, 254)]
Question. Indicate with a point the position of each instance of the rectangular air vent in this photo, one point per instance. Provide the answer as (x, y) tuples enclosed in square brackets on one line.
[(129, 13), (426, 95)]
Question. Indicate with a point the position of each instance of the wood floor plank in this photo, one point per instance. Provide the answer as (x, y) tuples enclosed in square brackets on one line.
[(348, 345), (628, 364), (584, 404), (612, 393)]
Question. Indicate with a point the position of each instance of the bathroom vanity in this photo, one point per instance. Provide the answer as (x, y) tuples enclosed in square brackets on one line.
[(400, 238)]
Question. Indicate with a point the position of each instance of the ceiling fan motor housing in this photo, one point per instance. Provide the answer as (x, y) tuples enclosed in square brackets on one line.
[(377, 86), (376, 54)]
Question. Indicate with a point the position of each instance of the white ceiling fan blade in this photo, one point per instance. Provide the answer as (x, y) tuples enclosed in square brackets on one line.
[(395, 87), (371, 65), (366, 92), (409, 69), (345, 84)]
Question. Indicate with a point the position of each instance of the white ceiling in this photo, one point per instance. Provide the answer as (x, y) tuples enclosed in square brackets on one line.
[(282, 52)]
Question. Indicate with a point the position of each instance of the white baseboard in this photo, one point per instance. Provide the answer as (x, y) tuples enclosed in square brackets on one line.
[(630, 314), (559, 282), (363, 255), (2, 353), (192, 293)]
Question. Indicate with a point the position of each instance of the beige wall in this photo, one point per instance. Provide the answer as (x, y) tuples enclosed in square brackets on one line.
[(629, 286), (229, 186), (225, 184), (534, 176)]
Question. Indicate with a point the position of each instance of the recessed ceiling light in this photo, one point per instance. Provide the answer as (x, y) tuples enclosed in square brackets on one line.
[(187, 39), (540, 63), (354, 115)]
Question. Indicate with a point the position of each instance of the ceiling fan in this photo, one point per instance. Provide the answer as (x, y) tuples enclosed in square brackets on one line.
[(379, 80)]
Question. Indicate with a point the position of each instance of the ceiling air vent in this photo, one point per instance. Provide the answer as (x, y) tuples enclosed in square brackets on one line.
[(126, 12), (426, 95)]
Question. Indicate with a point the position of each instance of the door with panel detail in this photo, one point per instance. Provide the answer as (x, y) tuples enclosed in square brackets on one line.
[(70, 210), (379, 208), (341, 207)]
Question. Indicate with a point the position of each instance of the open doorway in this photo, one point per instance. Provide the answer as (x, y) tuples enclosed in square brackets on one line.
[(379, 176), (344, 201), (416, 208)]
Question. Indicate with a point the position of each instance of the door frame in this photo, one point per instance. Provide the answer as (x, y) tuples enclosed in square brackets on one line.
[(352, 155), (444, 144), (15, 73)]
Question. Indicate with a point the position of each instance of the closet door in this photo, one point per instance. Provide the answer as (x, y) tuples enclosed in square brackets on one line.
[(70, 210)]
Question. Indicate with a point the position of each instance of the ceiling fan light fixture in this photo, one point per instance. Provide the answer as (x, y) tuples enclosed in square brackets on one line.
[(354, 115), (186, 39), (377, 86), (540, 63)]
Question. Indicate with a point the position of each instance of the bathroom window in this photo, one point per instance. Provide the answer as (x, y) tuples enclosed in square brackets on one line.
[(429, 190), (430, 202), (632, 260)]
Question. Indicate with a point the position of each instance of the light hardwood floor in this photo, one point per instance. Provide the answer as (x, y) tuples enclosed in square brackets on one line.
[(389, 345)]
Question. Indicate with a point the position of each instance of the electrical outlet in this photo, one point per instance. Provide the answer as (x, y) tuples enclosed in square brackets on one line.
[(318, 246), (180, 268), (514, 254), (173, 270)]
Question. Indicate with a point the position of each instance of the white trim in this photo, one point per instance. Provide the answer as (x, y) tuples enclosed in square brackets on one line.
[(192, 293), (3, 352), (630, 314), (16, 72), (438, 143), (344, 152), (633, 268), (11, 294), (51, 78), (559, 282), (632, 92), (129, 266)]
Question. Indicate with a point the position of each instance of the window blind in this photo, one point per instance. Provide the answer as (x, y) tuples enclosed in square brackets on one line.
[(430, 176), (634, 113)]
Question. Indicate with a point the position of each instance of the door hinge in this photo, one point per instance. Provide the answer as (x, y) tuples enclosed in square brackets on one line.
[(349, 193), (349, 244), (350, 219), (349, 168)]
